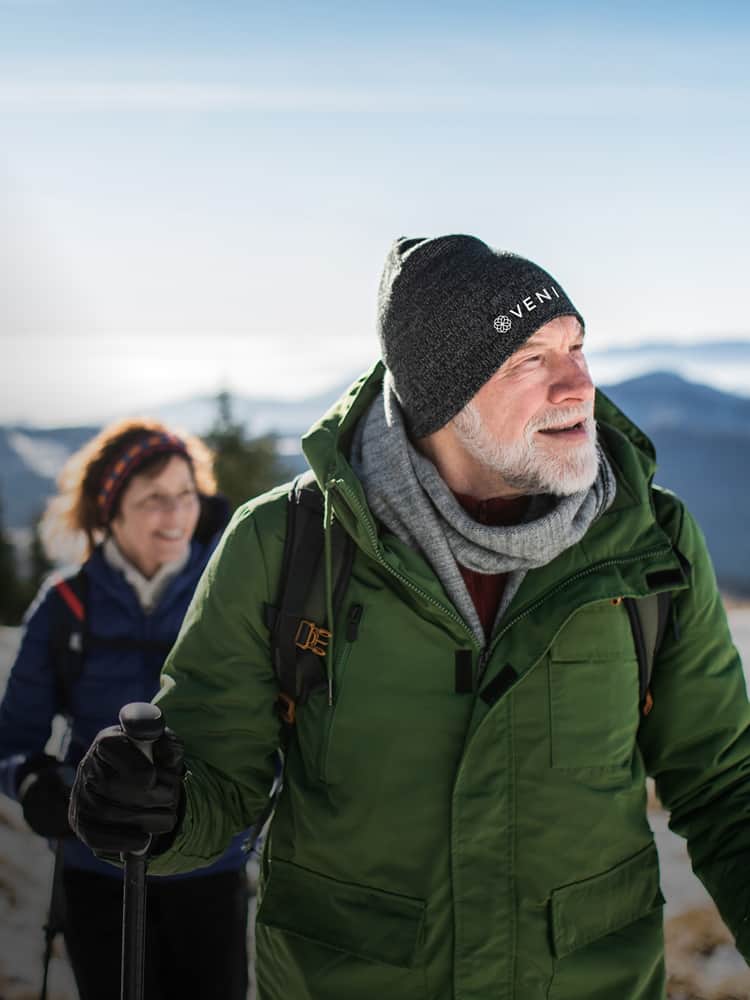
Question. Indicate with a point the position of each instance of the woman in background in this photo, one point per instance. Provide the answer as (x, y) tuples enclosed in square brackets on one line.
[(143, 502)]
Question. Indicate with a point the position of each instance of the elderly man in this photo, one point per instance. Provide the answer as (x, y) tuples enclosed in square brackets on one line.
[(463, 813)]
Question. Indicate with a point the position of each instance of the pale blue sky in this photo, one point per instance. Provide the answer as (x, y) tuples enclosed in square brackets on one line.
[(203, 194)]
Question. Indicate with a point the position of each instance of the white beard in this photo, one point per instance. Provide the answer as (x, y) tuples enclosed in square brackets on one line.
[(526, 465)]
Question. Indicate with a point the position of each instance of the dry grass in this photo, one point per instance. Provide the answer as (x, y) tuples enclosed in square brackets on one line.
[(702, 963)]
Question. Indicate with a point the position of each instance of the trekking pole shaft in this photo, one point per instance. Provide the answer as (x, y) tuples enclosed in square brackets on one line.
[(133, 929), (54, 915), (144, 724)]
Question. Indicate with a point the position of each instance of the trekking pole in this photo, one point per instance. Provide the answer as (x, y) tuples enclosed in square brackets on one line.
[(56, 912), (54, 917), (143, 724)]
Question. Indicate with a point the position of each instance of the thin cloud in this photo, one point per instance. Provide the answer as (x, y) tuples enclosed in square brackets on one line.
[(208, 97), (86, 97)]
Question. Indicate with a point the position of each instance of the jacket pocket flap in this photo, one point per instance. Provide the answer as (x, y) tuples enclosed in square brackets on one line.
[(585, 911), (376, 925)]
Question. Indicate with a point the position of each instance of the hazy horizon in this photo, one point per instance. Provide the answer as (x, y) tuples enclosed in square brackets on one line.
[(727, 371)]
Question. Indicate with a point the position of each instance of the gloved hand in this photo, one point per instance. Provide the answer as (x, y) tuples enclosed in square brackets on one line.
[(43, 792), (120, 799)]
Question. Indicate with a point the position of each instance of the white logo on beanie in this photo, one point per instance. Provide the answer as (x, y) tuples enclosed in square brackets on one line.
[(502, 324)]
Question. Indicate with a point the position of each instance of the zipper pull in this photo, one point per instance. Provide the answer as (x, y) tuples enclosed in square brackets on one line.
[(482, 665), (352, 622), (676, 631), (350, 634)]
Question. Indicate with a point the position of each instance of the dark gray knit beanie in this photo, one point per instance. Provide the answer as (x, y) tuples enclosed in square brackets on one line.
[(451, 310)]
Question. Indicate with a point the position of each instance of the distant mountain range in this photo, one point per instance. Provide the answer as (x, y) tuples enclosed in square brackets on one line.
[(30, 459), (702, 442), (723, 364), (701, 435)]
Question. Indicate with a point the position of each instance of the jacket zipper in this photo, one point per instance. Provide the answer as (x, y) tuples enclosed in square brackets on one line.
[(561, 586), (353, 500), (484, 656), (486, 652)]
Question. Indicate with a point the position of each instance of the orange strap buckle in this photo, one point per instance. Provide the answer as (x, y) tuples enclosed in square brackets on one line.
[(313, 637), (648, 702), (287, 708)]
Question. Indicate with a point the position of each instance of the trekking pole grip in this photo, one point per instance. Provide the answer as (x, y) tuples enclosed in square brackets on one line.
[(143, 723)]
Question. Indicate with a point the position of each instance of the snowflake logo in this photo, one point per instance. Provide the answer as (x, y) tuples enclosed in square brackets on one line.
[(502, 324)]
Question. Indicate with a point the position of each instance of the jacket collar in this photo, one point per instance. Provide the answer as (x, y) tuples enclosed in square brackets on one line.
[(112, 582)]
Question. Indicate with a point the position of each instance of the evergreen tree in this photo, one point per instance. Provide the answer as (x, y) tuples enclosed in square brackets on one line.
[(39, 565), (12, 591), (244, 466)]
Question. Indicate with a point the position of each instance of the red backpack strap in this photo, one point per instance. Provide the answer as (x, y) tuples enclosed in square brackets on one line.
[(73, 601), (68, 636)]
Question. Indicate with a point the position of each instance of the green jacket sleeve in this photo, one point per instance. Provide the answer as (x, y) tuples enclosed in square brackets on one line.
[(696, 740), (218, 691)]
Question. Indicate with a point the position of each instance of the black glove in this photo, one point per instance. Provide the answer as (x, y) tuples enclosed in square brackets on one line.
[(120, 799), (43, 788)]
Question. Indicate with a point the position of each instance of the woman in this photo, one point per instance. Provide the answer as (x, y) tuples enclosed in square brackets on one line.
[(142, 500)]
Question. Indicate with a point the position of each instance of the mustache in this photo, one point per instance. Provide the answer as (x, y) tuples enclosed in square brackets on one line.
[(561, 418)]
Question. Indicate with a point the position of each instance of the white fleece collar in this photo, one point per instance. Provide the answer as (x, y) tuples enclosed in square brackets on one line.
[(147, 591)]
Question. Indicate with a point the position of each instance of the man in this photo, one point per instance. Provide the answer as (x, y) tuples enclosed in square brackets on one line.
[(464, 808)]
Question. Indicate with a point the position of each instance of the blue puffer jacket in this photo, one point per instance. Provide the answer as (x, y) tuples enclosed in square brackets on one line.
[(111, 677)]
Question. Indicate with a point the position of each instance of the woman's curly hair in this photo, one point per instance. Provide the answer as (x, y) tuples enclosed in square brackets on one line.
[(71, 525)]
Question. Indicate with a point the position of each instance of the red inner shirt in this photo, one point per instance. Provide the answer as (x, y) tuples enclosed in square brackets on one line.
[(486, 589)]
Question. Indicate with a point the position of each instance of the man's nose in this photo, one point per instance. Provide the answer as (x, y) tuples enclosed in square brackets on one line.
[(572, 381)]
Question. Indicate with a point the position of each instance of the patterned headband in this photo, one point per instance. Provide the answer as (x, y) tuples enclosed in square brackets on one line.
[(151, 444)]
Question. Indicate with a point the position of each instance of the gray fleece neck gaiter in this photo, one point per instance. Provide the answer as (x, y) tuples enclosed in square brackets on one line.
[(406, 492)]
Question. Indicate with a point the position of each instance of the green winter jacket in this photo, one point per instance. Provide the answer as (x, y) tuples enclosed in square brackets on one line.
[(485, 845)]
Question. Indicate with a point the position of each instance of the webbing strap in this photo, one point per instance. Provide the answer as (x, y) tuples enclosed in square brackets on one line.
[(71, 599), (664, 600), (67, 637), (648, 622), (71, 639), (299, 626), (125, 642), (303, 596)]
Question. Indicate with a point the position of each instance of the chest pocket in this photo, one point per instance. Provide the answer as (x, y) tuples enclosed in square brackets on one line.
[(593, 694)]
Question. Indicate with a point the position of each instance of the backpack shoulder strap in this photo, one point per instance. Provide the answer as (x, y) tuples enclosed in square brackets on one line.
[(648, 622), (72, 639), (650, 615), (68, 634), (300, 631)]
